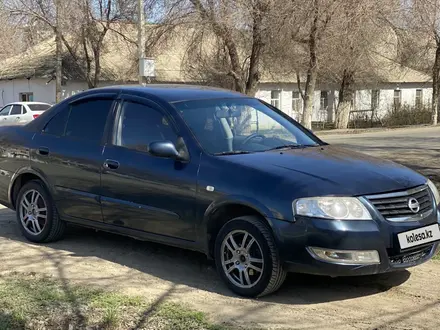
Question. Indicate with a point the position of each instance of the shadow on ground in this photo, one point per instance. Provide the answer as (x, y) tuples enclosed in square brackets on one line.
[(194, 270), (8, 321)]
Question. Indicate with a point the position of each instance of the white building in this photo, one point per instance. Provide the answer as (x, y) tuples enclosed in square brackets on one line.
[(30, 77)]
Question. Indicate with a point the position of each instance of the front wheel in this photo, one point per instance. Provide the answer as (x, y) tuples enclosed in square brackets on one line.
[(247, 258)]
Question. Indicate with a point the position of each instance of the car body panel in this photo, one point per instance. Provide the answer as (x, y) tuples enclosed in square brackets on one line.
[(73, 169), (152, 194)]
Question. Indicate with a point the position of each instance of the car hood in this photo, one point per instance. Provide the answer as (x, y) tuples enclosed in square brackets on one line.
[(330, 170)]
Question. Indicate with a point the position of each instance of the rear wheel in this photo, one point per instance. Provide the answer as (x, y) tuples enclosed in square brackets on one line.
[(36, 214), (247, 259)]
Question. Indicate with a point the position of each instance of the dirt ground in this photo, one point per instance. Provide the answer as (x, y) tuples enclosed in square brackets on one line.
[(404, 300)]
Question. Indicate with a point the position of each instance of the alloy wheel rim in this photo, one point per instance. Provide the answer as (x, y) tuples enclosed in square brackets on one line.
[(33, 212), (242, 259)]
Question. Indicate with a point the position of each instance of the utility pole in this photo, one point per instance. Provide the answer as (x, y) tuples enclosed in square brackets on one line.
[(59, 60), (141, 39)]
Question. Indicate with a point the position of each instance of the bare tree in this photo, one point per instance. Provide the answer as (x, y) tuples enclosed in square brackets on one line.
[(82, 27), (305, 25), (358, 31), (12, 36), (421, 21), (237, 30)]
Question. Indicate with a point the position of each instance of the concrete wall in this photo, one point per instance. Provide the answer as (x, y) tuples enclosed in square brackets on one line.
[(10, 90), (362, 98), (43, 90), (264, 93)]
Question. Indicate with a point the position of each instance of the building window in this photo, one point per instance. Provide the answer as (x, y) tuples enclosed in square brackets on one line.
[(375, 94), (27, 97), (324, 100), (397, 99), (419, 98), (296, 102), (275, 99)]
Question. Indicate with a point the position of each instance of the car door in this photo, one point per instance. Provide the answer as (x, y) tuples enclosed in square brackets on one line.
[(140, 191), (15, 115), (68, 153), (4, 114)]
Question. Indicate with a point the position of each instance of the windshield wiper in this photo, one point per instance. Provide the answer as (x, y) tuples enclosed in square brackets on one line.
[(237, 152), (293, 146), (288, 146)]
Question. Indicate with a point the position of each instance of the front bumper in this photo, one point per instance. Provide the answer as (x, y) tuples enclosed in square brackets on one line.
[(293, 238)]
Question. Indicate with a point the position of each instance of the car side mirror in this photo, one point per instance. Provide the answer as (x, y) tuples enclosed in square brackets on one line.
[(164, 149)]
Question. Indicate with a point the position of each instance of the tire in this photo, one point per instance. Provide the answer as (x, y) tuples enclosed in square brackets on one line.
[(39, 226), (263, 250)]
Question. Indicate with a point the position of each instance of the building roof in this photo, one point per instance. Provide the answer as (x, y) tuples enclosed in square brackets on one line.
[(119, 64)]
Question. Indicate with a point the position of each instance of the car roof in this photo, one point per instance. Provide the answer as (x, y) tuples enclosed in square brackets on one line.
[(27, 103), (174, 93)]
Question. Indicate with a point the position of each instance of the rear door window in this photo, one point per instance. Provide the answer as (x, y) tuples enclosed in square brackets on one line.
[(87, 119), (16, 110)]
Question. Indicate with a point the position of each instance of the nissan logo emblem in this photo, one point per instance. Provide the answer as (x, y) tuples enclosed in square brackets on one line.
[(414, 205)]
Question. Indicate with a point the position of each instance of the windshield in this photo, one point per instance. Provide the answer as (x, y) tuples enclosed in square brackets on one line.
[(39, 107), (228, 126)]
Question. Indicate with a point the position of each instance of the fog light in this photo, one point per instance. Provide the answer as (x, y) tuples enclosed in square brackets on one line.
[(355, 257)]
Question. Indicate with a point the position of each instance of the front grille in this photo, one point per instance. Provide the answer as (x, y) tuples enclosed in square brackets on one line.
[(396, 206)]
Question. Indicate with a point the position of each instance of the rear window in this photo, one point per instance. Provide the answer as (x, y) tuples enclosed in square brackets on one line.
[(39, 107)]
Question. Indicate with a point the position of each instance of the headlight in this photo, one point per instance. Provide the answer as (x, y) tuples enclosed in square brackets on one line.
[(335, 208), (434, 191)]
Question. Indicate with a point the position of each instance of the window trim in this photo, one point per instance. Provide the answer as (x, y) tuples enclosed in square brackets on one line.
[(323, 101), (27, 94), (297, 100), (113, 127), (276, 99), (419, 102), (375, 96)]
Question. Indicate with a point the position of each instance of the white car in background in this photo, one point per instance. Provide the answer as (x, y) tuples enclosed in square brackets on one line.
[(21, 112)]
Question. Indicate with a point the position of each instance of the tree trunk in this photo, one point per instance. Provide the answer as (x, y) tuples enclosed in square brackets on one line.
[(309, 97), (435, 85), (257, 44), (59, 59), (346, 94), (97, 56), (312, 73), (59, 67)]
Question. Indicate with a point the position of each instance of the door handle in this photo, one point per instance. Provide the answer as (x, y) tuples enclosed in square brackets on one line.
[(17, 118), (43, 151), (111, 164)]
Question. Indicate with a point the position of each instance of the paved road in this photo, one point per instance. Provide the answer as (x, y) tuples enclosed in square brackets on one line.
[(418, 148)]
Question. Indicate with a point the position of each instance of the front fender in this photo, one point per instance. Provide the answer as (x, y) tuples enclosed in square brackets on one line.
[(230, 200), (240, 200)]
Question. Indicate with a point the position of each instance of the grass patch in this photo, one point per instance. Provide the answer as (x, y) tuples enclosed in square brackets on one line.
[(28, 301)]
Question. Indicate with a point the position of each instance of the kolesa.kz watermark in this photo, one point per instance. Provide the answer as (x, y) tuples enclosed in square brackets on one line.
[(419, 237)]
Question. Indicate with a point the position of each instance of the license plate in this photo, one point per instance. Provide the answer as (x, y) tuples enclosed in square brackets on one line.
[(419, 236)]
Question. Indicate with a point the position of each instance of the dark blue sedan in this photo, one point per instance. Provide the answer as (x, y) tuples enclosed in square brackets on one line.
[(218, 172)]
